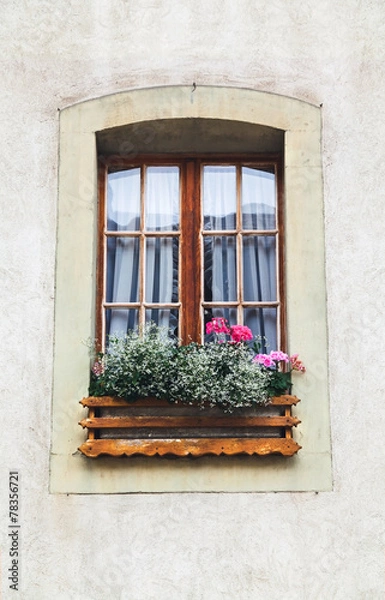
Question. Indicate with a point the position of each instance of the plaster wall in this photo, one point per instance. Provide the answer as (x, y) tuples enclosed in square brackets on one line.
[(296, 546)]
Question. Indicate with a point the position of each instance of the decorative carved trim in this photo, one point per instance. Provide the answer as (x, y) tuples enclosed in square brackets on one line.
[(190, 447)]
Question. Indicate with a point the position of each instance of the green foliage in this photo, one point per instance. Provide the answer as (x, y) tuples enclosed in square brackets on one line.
[(219, 375), (149, 363), (280, 383), (135, 365)]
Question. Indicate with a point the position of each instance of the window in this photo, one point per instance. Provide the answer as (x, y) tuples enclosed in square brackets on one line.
[(183, 241), (232, 121)]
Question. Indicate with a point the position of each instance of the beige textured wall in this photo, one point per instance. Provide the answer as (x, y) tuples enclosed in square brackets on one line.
[(297, 546)]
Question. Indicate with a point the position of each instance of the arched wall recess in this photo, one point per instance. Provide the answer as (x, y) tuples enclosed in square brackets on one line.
[(82, 128)]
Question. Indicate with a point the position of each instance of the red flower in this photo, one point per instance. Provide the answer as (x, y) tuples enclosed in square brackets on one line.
[(240, 333), (217, 325)]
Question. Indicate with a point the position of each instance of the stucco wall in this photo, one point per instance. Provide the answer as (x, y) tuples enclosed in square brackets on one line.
[(296, 546)]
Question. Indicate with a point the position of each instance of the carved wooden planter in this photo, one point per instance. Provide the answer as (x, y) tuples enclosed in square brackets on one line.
[(154, 427)]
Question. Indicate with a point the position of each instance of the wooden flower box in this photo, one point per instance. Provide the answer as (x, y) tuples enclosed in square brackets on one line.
[(151, 427)]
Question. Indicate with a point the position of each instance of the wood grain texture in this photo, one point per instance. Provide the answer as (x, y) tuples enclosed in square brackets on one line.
[(152, 426), (188, 421), (114, 401), (189, 447)]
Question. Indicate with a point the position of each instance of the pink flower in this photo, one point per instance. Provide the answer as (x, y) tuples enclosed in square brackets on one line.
[(278, 356), (296, 363), (264, 359), (97, 368), (217, 325), (240, 333)]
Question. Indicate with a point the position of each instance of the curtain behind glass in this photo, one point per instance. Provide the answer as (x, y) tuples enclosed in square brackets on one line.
[(220, 259), (162, 214), (260, 252), (123, 253), (258, 206), (123, 214)]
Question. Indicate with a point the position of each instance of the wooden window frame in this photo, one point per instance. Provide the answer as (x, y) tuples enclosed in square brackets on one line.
[(261, 431), (190, 237)]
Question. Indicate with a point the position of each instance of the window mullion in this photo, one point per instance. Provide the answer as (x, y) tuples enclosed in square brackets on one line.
[(190, 253)]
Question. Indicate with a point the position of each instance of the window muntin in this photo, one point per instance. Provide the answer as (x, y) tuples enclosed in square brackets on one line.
[(184, 241)]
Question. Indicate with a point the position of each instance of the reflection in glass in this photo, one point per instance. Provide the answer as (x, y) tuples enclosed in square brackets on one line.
[(161, 270), (123, 201), (162, 199), (259, 268), (219, 197), (220, 269), (258, 199)]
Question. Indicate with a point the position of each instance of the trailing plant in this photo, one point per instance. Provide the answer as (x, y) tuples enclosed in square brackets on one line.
[(227, 371), (221, 375), (135, 365)]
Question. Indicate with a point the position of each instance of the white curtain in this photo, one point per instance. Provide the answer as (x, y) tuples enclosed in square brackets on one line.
[(220, 251), (161, 253), (259, 252), (123, 214)]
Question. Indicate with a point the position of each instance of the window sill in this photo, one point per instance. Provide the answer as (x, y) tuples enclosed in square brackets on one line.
[(151, 427)]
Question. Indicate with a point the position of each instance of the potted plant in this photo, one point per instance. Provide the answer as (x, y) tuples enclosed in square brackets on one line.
[(151, 396), (227, 372)]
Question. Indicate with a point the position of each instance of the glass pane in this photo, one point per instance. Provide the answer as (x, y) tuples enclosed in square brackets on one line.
[(258, 199), (121, 320), (220, 269), (263, 322), (259, 268), (122, 283), (123, 201), (219, 197), (162, 199), (230, 314), (162, 269), (164, 317)]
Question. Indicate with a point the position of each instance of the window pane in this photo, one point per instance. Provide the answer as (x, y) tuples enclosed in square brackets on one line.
[(220, 269), (263, 322), (258, 199), (259, 268), (120, 320), (162, 199), (123, 201), (162, 270), (122, 283), (164, 317), (219, 197)]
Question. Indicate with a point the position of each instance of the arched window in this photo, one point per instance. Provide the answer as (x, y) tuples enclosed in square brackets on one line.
[(206, 139)]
